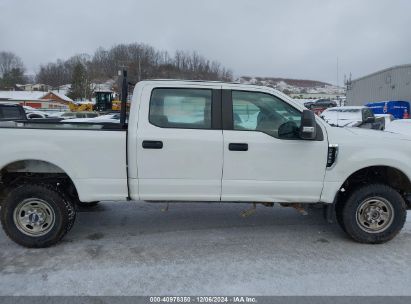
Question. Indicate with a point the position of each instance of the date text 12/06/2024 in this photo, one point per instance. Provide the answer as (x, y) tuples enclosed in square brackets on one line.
[(208, 299)]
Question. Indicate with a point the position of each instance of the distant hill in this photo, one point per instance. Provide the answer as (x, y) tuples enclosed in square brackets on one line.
[(293, 86), (302, 83)]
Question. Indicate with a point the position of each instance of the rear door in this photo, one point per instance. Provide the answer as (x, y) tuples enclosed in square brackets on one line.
[(264, 158), (180, 143)]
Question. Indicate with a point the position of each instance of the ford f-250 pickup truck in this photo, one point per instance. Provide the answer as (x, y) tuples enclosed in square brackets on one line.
[(203, 141)]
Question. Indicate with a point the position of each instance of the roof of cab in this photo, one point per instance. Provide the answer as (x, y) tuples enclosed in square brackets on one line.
[(191, 80), (205, 82)]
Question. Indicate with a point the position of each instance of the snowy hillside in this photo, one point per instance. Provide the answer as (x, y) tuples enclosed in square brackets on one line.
[(294, 86)]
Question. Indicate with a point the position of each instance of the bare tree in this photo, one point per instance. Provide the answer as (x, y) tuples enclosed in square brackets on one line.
[(54, 74), (11, 70), (8, 62), (142, 62)]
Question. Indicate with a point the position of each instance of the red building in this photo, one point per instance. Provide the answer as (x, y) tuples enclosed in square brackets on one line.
[(36, 99)]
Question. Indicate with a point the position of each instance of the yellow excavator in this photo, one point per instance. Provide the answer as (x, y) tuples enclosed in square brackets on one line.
[(104, 102), (116, 105), (84, 107)]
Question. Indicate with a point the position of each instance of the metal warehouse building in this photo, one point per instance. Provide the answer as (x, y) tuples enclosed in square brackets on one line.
[(390, 84)]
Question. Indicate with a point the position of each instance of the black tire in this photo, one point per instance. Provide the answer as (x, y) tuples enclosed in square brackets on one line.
[(375, 193), (62, 210), (72, 210)]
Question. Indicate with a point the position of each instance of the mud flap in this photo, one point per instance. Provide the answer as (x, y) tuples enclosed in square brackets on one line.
[(329, 213)]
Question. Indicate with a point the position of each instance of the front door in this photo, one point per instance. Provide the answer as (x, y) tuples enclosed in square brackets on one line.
[(180, 145), (264, 158)]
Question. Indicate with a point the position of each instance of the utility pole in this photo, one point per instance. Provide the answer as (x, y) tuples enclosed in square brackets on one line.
[(139, 68), (338, 80)]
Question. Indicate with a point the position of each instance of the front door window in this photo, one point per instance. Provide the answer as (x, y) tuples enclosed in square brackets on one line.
[(254, 111)]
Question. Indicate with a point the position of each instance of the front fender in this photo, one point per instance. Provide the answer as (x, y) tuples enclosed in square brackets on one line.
[(352, 159)]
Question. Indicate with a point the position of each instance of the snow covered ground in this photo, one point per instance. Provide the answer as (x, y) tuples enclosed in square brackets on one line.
[(133, 248)]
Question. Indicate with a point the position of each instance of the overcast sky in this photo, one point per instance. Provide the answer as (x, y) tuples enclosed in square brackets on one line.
[(289, 38)]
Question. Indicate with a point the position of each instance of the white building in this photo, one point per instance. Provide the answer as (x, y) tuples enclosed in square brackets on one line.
[(390, 84), (34, 87)]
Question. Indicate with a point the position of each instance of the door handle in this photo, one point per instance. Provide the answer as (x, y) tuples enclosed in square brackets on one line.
[(238, 147), (152, 144)]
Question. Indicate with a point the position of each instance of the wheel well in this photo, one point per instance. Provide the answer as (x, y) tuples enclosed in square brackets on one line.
[(36, 171), (379, 174), (375, 174)]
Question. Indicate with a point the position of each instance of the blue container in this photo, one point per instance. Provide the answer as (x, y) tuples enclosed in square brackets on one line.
[(398, 109)]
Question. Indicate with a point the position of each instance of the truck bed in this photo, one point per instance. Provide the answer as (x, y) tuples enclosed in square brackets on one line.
[(99, 167)]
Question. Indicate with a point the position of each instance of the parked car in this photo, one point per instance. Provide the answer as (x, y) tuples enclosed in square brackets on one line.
[(321, 103), (400, 126), (309, 103), (108, 118), (11, 111), (384, 119), (352, 116), (33, 113), (57, 114), (204, 141), (72, 115)]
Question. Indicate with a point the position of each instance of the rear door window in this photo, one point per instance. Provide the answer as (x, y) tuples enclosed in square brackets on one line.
[(181, 108)]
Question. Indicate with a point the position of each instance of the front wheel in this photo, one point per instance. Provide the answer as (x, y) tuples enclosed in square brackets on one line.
[(373, 214), (36, 215)]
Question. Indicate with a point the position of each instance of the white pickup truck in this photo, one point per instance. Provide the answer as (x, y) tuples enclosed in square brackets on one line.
[(203, 141)]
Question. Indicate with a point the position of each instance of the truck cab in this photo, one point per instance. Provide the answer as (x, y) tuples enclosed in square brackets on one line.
[(228, 142)]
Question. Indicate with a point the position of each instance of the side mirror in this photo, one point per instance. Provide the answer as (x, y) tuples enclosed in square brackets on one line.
[(308, 129), (288, 130)]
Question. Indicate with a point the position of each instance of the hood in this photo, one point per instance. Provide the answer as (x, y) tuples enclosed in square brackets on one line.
[(365, 135)]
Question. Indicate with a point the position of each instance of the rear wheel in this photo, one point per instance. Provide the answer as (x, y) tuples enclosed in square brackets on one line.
[(36, 215), (373, 214)]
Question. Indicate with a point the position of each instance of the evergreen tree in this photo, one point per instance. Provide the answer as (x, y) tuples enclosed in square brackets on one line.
[(80, 83)]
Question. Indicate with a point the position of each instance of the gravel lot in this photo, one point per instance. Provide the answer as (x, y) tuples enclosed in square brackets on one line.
[(134, 248)]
